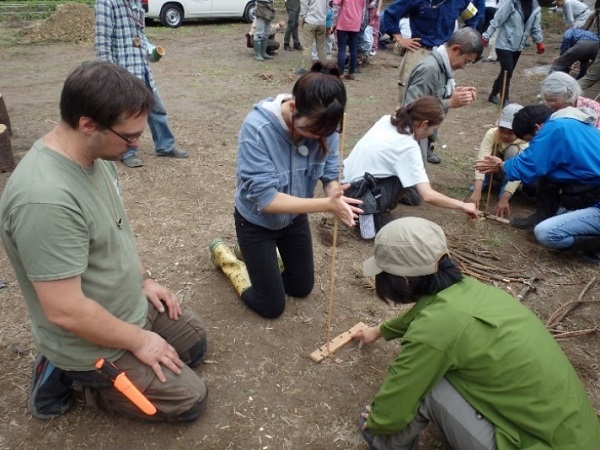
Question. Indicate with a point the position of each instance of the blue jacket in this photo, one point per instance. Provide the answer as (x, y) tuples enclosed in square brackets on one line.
[(433, 25), (573, 35), (512, 29), (268, 163), (564, 150)]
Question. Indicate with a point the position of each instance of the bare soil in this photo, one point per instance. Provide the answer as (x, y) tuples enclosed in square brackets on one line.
[(265, 393)]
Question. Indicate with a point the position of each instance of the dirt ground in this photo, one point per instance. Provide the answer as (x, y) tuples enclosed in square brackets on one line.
[(265, 393)]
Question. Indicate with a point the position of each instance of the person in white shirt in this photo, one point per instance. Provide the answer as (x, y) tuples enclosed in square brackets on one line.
[(387, 160)]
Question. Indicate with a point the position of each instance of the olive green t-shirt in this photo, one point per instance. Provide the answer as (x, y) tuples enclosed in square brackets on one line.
[(59, 220)]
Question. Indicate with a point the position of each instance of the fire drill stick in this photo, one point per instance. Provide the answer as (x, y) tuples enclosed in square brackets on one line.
[(125, 386)]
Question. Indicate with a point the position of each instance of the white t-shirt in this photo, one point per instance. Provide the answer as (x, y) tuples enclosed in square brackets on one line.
[(383, 152)]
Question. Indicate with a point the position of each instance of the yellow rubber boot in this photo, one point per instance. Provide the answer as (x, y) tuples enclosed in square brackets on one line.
[(238, 254), (223, 258)]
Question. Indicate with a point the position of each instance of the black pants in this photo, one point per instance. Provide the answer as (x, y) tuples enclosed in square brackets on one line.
[(293, 10), (508, 62), (259, 246)]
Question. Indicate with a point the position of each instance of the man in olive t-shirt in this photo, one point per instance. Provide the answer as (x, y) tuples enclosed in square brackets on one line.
[(67, 236)]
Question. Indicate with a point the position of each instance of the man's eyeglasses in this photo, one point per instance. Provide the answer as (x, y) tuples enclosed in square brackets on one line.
[(128, 139)]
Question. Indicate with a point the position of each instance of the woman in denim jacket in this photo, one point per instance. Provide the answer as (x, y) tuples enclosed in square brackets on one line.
[(286, 145)]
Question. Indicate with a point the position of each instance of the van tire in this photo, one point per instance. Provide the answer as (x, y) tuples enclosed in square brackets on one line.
[(171, 15), (250, 12)]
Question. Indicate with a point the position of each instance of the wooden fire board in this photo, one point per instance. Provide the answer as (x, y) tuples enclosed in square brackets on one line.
[(336, 343)]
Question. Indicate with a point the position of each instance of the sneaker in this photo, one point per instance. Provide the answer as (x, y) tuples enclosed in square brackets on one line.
[(287, 47), (50, 395), (349, 77), (372, 53), (494, 99), (132, 161), (298, 46), (175, 153), (300, 71)]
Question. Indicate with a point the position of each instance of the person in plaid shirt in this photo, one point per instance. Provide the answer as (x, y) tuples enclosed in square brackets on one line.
[(120, 39)]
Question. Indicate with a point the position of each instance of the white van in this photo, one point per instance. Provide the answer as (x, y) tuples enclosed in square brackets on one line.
[(173, 12)]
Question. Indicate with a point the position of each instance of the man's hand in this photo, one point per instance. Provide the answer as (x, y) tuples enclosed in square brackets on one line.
[(484, 41), (411, 44), (502, 207), (540, 48), (489, 164), (462, 96), (160, 297), (475, 198), (154, 351), (365, 416), (367, 335)]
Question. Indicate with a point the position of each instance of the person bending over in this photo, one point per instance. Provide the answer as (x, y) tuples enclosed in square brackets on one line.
[(474, 361)]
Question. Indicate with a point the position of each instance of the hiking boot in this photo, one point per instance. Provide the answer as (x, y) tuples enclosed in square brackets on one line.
[(493, 98), (132, 161), (175, 153), (286, 46), (433, 158), (530, 221), (50, 394), (298, 46), (300, 71), (349, 77)]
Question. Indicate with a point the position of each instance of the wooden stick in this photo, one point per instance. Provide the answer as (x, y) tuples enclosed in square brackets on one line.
[(528, 287), (336, 343), (335, 233), (562, 311), (570, 334), (496, 142)]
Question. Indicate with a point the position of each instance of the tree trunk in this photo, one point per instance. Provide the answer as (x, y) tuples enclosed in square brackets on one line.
[(4, 119), (7, 160)]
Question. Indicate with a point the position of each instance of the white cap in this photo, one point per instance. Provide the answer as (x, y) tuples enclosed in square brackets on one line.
[(508, 114)]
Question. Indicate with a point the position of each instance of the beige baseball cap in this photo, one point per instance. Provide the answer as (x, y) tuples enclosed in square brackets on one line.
[(407, 247)]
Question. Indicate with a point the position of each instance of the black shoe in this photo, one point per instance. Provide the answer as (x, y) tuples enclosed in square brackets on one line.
[(410, 197), (493, 98), (433, 158), (287, 47), (531, 221), (298, 46), (50, 395)]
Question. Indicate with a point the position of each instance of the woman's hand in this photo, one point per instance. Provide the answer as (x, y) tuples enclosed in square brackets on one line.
[(342, 206), (470, 209), (367, 335)]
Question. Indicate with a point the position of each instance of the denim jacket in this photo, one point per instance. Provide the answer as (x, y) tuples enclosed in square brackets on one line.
[(512, 29), (269, 163)]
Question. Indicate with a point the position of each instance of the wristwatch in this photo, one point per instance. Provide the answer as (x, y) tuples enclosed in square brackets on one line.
[(147, 275)]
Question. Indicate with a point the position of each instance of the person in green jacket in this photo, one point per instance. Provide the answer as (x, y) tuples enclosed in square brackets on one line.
[(474, 360)]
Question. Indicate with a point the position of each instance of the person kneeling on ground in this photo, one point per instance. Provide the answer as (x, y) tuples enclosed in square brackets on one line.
[(502, 142), (474, 361), (563, 157), (68, 239), (272, 44), (388, 159), (285, 146)]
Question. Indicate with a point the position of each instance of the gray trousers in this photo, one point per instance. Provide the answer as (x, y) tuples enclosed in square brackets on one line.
[(582, 51), (593, 74), (463, 426)]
